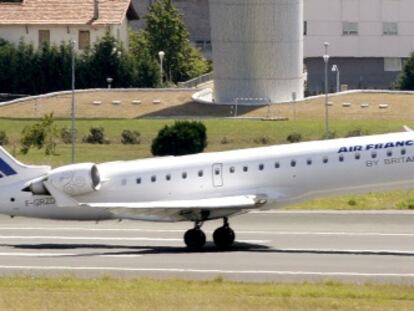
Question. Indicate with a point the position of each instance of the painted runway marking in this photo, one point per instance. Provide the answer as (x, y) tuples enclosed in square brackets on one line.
[(19, 254), (213, 271), (259, 232)]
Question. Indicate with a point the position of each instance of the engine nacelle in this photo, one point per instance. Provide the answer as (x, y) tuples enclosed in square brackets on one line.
[(75, 179)]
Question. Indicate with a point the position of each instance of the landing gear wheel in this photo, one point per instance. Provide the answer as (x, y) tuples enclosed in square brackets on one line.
[(195, 239), (224, 237)]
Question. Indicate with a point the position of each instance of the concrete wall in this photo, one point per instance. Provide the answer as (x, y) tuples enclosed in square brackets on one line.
[(257, 49)]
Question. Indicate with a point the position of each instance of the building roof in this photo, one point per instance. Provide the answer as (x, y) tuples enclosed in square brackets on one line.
[(66, 12)]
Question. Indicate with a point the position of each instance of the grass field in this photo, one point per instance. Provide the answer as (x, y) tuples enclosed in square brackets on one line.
[(223, 134), (70, 293)]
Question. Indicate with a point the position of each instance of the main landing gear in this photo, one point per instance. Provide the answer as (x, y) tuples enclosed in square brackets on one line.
[(223, 237)]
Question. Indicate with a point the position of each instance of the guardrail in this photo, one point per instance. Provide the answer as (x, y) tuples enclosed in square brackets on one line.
[(196, 81)]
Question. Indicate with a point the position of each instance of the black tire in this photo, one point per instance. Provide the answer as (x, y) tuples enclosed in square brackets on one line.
[(224, 237), (195, 239)]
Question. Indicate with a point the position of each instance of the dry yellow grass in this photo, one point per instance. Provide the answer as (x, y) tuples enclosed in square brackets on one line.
[(179, 103)]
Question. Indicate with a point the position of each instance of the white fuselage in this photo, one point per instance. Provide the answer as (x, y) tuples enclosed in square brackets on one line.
[(285, 174)]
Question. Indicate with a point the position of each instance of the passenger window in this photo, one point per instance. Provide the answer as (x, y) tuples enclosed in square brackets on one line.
[(245, 169), (139, 181), (277, 165), (325, 160), (403, 151), (309, 161), (293, 163), (153, 178), (168, 177), (389, 153), (261, 167), (232, 170), (184, 175), (374, 155), (200, 173), (357, 156), (341, 158)]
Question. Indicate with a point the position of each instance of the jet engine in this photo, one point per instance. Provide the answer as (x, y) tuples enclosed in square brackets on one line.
[(76, 179)]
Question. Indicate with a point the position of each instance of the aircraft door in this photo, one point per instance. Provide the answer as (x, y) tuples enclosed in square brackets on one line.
[(218, 175)]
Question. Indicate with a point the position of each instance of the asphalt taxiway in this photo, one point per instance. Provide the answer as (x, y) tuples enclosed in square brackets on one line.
[(271, 246)]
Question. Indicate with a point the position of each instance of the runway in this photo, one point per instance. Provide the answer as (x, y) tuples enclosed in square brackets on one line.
[(271, 246)]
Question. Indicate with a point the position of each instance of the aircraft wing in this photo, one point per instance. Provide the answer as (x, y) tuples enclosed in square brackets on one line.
[(201, 209)]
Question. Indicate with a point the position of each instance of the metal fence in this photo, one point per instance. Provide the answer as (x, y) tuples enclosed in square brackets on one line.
[(196, 81)]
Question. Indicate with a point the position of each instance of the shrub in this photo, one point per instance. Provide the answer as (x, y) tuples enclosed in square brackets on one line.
[(356, 132), (183, 137), (3, 138), (66, 135), (225, 141), (352, 202), (96, 136), (294, 138), (130, 137), (262, 140)]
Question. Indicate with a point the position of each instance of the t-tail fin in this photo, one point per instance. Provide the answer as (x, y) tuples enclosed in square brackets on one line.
[(13, 170)]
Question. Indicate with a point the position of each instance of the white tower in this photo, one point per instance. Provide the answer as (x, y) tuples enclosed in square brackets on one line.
[(257, 49)]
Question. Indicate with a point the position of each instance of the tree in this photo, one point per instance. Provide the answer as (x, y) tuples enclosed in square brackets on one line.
[(167, 32), (406, 80), (184, 137), (41, 134)]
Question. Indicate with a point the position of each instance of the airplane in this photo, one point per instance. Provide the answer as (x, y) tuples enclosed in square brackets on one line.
[(207, 186)]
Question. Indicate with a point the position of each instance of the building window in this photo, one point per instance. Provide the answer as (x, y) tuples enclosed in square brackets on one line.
[(44, 37), (84, 39), (390, 29), (349, 29), (392, 64)]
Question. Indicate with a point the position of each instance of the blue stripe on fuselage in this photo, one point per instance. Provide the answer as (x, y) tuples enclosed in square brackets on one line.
[(6, 169)]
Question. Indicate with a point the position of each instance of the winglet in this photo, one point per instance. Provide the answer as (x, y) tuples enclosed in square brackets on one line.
[(408, 129)]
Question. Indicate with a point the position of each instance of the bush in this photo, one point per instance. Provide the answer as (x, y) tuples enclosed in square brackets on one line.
[(184, 137), (294, 138), (66, 135), (262, 140), (356, 132), (96, 136), (3, 138), (130, 137)]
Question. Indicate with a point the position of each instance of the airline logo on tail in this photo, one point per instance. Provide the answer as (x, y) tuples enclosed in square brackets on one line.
[(6, 169)]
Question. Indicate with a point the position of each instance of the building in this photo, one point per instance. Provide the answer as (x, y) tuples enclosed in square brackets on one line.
[(257, 50), (57, 21), (369, 40)]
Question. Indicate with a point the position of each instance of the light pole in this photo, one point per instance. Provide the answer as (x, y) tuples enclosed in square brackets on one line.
[(73, 116), (161, 55), (326, 61), (336, 69), (109, 81)]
